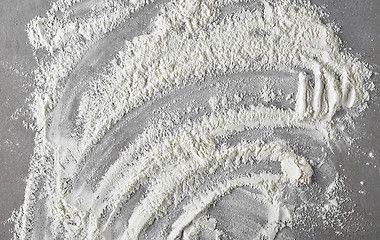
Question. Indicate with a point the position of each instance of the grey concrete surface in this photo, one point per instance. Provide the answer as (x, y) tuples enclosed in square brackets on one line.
[(360, 30), (16, 83)]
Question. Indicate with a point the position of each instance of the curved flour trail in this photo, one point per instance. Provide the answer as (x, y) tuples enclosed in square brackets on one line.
[(117, 155), (193, 210), (294, 168), (111, 190), (96, 58)]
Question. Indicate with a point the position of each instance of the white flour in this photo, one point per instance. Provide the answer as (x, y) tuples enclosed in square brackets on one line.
[(121, 155)]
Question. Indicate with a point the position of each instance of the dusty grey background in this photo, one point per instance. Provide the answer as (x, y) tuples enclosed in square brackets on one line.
[(360, 30)]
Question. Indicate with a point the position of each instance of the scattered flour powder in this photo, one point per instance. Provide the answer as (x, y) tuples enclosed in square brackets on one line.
[(120, 155)]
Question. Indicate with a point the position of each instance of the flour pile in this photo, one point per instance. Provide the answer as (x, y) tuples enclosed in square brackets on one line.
[(148, 118)]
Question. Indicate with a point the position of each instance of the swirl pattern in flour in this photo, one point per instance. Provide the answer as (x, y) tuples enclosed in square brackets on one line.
[(126, 145)]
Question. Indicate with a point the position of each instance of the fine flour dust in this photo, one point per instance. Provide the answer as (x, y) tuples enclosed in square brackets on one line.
[(187, 119)]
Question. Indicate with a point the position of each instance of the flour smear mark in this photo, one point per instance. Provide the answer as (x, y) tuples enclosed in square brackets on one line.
[(149, 123)]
